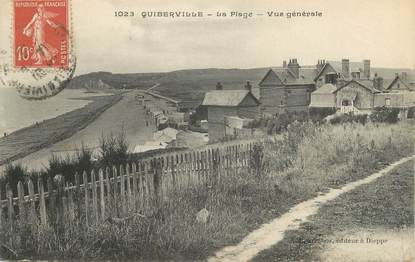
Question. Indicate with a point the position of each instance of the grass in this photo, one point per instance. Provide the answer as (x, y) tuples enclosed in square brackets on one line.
[(386, 203), (30, 139), (307, 159)]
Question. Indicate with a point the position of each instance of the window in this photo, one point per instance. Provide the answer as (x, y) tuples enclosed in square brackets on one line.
[(399, 85), (387, 101)]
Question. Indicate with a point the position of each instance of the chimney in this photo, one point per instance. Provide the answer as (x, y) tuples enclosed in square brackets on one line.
[(366, 69), (219, 86), (345, 68), (378, 82), (356, 75), (404, 76), (294, 67), (248, 86), (284, 64), (320, 65)]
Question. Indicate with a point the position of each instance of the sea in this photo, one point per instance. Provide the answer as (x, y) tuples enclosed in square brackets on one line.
[(17, 112)]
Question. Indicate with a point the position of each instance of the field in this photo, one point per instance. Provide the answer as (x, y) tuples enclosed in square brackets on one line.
[(307, 159), (382, 210), (30, 139)]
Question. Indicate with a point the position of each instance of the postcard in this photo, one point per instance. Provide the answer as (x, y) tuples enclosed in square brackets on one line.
[(207, 130)]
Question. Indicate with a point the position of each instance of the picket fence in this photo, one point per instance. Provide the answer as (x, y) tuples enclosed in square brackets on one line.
[(119, 192)]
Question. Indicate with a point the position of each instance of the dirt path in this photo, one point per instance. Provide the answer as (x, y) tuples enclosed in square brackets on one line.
[(273, 232)]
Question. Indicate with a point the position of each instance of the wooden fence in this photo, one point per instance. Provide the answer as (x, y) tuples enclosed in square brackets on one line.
[(120, 191)]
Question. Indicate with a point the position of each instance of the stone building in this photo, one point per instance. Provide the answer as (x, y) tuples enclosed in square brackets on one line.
[(364, 95), (339, 73), (286, 89), (356, 95), (228, 103)]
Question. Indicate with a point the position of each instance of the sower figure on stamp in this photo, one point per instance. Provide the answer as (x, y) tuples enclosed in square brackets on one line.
[(36, 28)]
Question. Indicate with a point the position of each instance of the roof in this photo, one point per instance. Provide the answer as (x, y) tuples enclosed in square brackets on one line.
[(170, 132), (256, 92), (397, 78), (226, 97), (337, 66), (368, 84), (325, 89), (149, 145), (284, 76)]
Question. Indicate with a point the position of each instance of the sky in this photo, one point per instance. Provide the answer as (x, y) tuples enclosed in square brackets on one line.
[(380, 30)]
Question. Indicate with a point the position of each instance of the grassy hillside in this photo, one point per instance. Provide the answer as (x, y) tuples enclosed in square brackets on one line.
[(306, 160), (192, 84)]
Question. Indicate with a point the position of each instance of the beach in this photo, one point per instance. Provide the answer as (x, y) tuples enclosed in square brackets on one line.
[(45, 133), (122, 112)]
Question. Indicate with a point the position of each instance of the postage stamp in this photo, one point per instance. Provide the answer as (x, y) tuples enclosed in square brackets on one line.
[(40, 33), (42, 59)]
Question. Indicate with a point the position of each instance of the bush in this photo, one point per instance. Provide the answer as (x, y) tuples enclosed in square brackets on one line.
[(349, 118), (113, 150), (385, 115), (69, 165), (318, 114), (13, 174)]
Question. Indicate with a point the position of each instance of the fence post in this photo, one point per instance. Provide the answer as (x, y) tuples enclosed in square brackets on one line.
[(32, 206), (94, 196), (10, 208), (134, 190), (157, 181), (101, 193), (129, 197), (86, 198), (187, 171), (78, 194), (22, 211), (109, 192), (71, 205), (42, 204), (210, 166), (148, 182), (51, 201), (122, 194), (61, 206), (115, 190)]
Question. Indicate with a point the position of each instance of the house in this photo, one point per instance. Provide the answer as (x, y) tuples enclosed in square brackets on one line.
[(365, 94), (225, 103), (356, 95), (335, 72), (286, 89), (236, 126), (324, 97)]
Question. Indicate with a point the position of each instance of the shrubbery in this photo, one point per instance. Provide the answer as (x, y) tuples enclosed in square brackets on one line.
[(113, 151), (349, 118), (385, 114), (318, 114)]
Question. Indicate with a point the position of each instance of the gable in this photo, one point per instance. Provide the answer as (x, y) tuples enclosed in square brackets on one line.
[(353, 86), (271, 79), (398, 84), (326, 69), (356, 84), (249, 100)]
